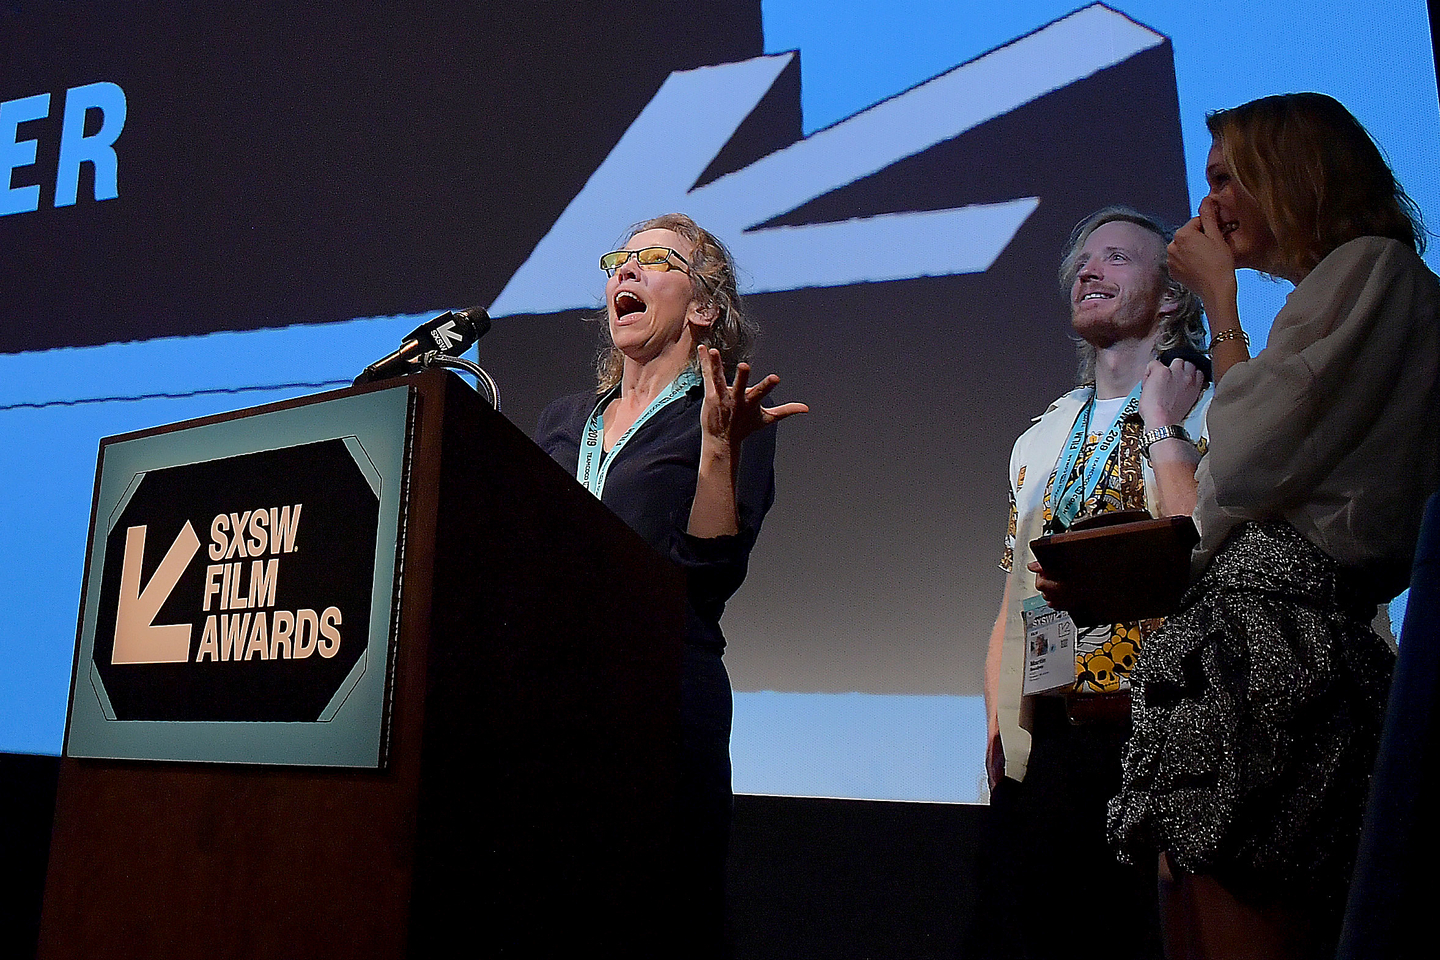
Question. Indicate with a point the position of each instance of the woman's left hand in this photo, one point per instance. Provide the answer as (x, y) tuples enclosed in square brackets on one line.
[(1199, 258), (733, 411), (729, 414)]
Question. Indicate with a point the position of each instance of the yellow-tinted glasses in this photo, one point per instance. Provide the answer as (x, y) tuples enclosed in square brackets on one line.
[(649, 258)]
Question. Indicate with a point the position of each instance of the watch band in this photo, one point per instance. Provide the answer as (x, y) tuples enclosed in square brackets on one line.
[(1161, 433)]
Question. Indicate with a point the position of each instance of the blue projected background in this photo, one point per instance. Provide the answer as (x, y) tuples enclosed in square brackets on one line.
[(857, 644), (1226, 53)]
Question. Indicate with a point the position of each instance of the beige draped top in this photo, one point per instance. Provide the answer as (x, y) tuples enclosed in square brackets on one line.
[(1335, 425)]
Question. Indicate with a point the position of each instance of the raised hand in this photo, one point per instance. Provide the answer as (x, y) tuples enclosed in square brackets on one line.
[(1200, 258), (1168, 393), (733, 411), (729, 414)]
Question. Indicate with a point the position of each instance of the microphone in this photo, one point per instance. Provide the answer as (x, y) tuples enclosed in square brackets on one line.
[(451, 333)]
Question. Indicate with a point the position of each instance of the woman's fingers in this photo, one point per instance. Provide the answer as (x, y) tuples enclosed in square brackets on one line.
[(740, 400), (742, 377), (762, 389), (784, 410), (1210, 218), (711, 370)]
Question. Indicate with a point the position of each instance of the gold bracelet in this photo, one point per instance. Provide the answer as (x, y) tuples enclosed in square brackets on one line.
[(1235, 334)]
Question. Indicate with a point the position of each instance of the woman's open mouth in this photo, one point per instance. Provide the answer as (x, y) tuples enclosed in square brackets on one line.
[(627, 303)]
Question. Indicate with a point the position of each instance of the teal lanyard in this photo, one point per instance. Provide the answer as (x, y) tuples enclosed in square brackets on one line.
[(1067, 497), (594, 465)]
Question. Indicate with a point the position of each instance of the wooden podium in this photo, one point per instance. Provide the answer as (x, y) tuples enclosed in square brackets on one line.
[(522, 802)]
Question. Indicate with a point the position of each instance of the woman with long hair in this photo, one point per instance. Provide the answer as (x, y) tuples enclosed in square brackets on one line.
[(1258, 706)]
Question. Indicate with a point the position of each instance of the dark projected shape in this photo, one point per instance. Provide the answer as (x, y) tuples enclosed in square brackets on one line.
[(308, 164)]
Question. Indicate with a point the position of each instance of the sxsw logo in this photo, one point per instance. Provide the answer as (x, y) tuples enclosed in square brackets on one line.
[(666, 151), (101, 105), (253, 628), (265, 619)]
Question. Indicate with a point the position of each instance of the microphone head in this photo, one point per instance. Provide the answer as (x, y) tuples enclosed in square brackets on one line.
[(452, 333), (478, 318)]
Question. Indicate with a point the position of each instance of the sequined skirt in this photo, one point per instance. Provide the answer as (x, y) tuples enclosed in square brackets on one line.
[(1257, 712)]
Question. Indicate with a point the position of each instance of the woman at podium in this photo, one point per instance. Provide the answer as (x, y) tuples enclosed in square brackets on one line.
[(673, 439)]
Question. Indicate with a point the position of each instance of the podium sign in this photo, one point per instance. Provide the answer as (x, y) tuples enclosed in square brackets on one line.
[(241, 589), (399, 580)]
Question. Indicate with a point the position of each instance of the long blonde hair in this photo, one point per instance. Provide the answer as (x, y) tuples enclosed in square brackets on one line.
[(1317, 175)]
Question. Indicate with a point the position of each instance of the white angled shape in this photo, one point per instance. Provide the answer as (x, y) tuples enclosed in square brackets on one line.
[(447, 335), (654, 167), (650, 171), (138, 639), (894, 246)]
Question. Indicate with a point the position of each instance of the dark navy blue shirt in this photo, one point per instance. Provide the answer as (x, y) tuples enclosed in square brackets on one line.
[(651, 485)]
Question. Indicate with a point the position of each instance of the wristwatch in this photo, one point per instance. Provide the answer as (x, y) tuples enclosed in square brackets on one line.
[(1161, 433)]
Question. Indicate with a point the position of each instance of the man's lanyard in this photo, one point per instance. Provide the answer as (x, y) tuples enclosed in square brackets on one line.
[(1066, 497), (594, 465)]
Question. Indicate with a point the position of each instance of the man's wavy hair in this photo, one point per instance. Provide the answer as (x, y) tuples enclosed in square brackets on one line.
[(712, 277), (1319, 178), (1185, 326)]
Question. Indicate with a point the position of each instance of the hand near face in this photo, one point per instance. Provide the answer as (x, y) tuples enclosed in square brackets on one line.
[(733, 411), (1201, 259), (1168, 393)]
